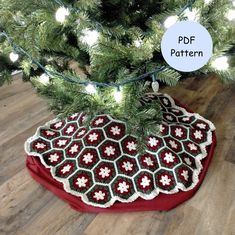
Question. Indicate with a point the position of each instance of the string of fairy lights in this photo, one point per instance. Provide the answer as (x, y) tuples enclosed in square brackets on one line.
[(90, 86), (91, 37)]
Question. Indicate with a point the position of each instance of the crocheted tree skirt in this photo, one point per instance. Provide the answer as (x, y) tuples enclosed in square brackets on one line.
[(99, 168)]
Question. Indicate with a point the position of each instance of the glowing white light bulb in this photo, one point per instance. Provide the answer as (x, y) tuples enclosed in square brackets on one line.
[(191, 15), (138, 43), (208, 1), (91, 89), (89, 37), (13, 56), (231, 15), (171, 20), (117, 95), (44, 79), (61, 14), (220, 63), (78, 21)]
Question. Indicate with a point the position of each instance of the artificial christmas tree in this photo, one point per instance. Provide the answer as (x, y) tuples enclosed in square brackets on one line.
[(103, 58)]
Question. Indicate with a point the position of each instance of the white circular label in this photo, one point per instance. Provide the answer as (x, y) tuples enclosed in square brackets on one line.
[(187, 46)]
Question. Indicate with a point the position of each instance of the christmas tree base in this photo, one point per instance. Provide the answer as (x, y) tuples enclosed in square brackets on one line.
[(169, 173)]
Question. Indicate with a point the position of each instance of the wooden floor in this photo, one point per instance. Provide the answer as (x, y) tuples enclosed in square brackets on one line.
[(27, 208)]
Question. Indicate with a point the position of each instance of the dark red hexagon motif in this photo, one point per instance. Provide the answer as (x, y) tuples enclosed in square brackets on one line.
[(177, 112), (104, 172), (165, 180), (201, 125), (110, 150), (48, 134), (81, 120), (74, 149), (129, 145), (115, 130), (164, 129), (99, 194), (100, 121), (80, 133), (188, 160), (184, 175), (198, 136), (192, 148), (178, 132), (70, 129), (169, 117), (94, 137), (144, 182), (186, 119), (58, 125), (61, 142), (66, 168), (127, 165), (39, 145), (53, 157), (165, 101), (148, 161), (173, 144), (123, 187), (73, 117), (88, 158), (81, 181), (154, 143), (168, 158)]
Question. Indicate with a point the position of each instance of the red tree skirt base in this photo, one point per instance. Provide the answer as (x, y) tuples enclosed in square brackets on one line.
[(163, 202), (62, 156)]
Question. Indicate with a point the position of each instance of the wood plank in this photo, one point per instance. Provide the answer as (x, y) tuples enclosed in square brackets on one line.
[(11, 126), (18, 203), (183, 220), (215, 198), (229, 225), (57, 218), (12, 154), (230, 156), (16, 87), (125, 223)]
